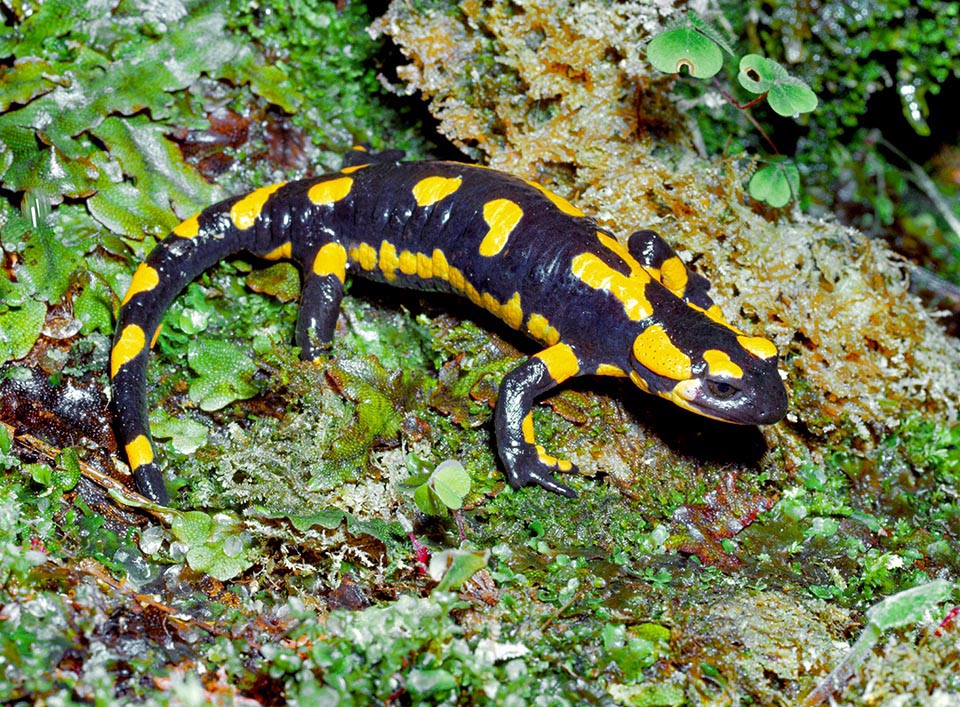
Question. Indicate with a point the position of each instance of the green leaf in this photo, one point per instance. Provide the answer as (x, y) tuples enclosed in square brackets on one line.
[(20, 327), (225, 371), (786, 94), (281, 281), (451, 482), (909, 606), (452, 568), (776, 184), (686, 47), (67, 473), (215, 544), (187, 435)]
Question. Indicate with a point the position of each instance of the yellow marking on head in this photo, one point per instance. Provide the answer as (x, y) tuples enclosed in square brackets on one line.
[(189, 228), (156, 335), (246, 211), (129, 344), (389, 262), (719, 363), (359, 148), (673, 275), (511, 312), (527, 427), (502, 216), (424, 266), (408, 262), (758, 346), (629, 291), (430, 190), (139, 452), (606, 369), (331, 260), (684, 394), (558, 201), (367, 256), (561, 362), (330, 191), (539, 328), (353, 168), (145, 278), (281, 252), (653, 350), (639, 381), (441, 268)]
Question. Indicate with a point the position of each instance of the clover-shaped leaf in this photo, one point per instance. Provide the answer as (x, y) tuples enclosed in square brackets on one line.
[(786, 94), (442, 490), (214, 544), (693, 44), (776, 184)]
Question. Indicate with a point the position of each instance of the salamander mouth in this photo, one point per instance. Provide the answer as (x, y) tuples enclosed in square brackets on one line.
[(726, 401)]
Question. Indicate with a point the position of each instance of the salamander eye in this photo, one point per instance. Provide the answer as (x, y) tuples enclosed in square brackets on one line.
[(721, 390)]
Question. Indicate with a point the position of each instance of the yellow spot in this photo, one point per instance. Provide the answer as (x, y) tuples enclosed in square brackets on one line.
[(189, 228), (539, 328), (246, 211), (490, 303), (424, 266), (639, 381), (654, 351), (758, 346), (629, 291), (139, 452), (511, 312), (430, 190), (606, 369), (456, 279), (719, 363), (558, 201), (367, 256), (673, 275), (330, 191), (502, 216), (441, 268), (331, 260), (144, 279), (280, 252), (129, 344), (561, 464), (388, 260), (354, 168), (527, 427), (472, 294), (617, 247), (561, 362), (408, 263)]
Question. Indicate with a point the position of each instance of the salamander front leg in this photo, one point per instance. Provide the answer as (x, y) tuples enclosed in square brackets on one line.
[(320, 301), (527, 462)]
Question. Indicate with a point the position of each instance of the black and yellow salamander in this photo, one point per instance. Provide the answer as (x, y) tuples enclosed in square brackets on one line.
[(509, 246)]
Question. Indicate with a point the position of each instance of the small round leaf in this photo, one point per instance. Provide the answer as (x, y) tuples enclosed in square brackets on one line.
[(685, 47), (776, 184), (451, 482), (786, 94)]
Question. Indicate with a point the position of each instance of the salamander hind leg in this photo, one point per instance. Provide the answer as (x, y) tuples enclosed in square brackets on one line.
[(526, 462)]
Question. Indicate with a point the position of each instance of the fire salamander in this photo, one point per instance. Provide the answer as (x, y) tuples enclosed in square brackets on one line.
[(509, 246)]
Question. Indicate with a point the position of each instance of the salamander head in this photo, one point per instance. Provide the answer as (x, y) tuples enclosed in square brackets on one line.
[(711, 369)]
